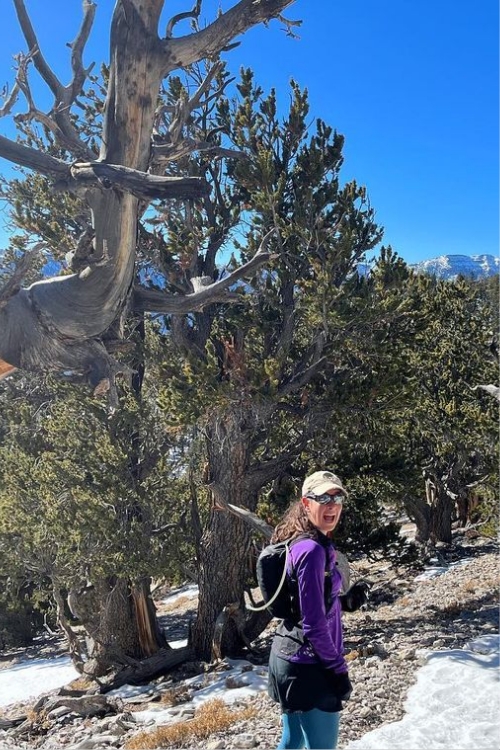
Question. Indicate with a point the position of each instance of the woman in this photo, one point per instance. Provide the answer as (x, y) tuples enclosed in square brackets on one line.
[(308, 674)]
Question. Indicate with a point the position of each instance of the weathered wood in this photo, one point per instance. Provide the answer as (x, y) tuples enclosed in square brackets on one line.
[(160, 663), (12, 721), (5, 369), (58, 324), (84, 705), (138, 183), (70, 324), (32, 158)]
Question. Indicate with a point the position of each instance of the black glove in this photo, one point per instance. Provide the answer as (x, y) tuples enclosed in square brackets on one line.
[(341, 684), (355, 597)]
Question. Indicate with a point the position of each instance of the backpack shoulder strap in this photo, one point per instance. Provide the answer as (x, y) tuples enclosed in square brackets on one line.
[(266, 605), (328, 582)]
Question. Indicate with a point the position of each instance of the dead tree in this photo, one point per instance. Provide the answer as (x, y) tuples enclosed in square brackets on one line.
[(72, 324), (68, 323)]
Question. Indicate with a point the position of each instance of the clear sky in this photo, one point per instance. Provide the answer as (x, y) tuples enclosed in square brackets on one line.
[(413, 87)]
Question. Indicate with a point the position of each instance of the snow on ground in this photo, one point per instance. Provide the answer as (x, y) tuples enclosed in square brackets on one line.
[(189, 591), (455, 702), (31, 678), (240, 681), (435, 569)]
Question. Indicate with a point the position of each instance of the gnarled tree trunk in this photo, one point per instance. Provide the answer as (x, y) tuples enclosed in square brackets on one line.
[(441, 511), (121, 624), (69, 324), (227, 538), (58, 324)]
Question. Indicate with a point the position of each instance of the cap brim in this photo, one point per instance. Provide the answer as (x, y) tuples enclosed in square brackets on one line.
[(326, 486)]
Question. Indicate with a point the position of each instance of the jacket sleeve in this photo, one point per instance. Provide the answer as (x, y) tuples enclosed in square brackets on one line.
[(324, 632)]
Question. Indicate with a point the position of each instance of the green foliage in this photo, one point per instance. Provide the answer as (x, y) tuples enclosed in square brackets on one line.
[(260, 352), (456, 424), (72, 503), (16, 625), (372, 376)]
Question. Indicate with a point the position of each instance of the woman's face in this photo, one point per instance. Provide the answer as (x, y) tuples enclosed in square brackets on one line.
[(325, 516)]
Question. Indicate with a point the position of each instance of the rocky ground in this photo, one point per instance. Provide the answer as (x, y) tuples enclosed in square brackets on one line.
[(383, 642)]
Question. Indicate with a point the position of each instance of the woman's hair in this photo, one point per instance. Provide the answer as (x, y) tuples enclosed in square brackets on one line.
[(294, 522)]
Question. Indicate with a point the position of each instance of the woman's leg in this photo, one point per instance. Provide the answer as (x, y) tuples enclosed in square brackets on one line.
[(292, 737), (320, 729)]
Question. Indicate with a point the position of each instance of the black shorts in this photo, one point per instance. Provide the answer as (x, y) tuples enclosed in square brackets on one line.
[(300, 687)]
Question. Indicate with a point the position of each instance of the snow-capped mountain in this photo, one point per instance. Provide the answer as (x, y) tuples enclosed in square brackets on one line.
[(451, 266)]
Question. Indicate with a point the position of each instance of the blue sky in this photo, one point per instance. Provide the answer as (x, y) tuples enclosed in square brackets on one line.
[(413, 87)]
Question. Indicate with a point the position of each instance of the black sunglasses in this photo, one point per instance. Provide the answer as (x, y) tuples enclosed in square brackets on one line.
[(325, 498)]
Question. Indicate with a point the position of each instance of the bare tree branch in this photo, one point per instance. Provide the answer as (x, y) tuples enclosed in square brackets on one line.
[(97, 174), (209, 41), (32, 158), (79, 72), (10, 100), (175, 144), (63, 95), (252, 519), (265, 471), (493, 390), (150, 300), (174, 151), (305, 369), (32, 41), (181, 17), (138, 183)]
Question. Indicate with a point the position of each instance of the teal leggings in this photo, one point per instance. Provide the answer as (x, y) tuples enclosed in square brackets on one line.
[(310, 729)]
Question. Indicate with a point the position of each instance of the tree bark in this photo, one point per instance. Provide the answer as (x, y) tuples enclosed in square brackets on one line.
[(57, 325), (441, 511), (420, 513), (221, 581), (120, 622)]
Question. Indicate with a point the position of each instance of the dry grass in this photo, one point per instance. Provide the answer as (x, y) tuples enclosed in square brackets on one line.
[(451, 607), (354, 654), (405, 601), (212, 716), (81, 683), (32, 715), (175, 695)]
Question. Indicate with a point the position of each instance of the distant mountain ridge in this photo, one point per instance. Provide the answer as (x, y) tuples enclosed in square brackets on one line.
[(451, 266)]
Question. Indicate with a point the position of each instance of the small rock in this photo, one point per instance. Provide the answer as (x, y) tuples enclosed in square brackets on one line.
[(408, 654), (56, 713), (234, 682), (245, 741), (364, 712)]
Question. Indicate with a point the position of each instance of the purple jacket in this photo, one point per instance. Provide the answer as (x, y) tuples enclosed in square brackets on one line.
[(322, 631)]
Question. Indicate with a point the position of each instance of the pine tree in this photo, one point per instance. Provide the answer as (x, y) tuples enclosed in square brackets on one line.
[(452, 426)]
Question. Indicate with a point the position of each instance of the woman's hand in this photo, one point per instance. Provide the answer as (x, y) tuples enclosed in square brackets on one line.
[(341, 684), (355, 597)]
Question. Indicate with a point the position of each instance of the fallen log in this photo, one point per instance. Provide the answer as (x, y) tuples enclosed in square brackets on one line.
[(160, 663)]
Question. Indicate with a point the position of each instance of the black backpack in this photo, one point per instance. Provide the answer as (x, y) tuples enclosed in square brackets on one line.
[(277, 589)]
